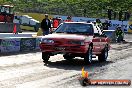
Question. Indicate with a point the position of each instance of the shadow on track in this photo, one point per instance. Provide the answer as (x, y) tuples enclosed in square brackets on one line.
[(17, 53), (75, 64)]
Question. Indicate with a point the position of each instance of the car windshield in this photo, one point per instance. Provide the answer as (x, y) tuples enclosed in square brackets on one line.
[(77, 28)]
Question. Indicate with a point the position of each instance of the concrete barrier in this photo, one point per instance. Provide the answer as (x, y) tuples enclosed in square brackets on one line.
[(38, 40), (9, 45), (19, 44), (10, 35)]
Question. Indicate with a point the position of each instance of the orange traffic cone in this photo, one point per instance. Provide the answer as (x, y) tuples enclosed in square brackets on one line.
[(86, 74), (15, 29)]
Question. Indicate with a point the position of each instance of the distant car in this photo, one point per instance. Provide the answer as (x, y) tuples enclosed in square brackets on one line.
[(76, 39), (26, 20)]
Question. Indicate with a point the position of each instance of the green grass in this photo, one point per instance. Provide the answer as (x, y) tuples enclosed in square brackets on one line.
[(27, 28)]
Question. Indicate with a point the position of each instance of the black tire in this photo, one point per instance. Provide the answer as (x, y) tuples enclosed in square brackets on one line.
[(84, 82), (104, 55), (45, 57), (68, 57), (88, 56)]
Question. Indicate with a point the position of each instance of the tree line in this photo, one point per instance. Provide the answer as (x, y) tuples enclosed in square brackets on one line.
[(87, 8)]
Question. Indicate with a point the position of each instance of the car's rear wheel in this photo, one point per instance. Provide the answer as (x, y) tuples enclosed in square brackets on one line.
[(104, 55), (45, 57), (68, 57), (88, 56)]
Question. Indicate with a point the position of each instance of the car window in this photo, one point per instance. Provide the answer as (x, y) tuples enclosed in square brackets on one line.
[(75, 28)]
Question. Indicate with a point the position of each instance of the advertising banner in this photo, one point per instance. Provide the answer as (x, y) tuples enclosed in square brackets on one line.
[(27, 44), (116, 23), (76, 19), (113, 23), (130, 27), (10, 45)]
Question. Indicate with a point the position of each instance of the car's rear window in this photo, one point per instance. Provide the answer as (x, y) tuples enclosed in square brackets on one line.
[(75, 28)]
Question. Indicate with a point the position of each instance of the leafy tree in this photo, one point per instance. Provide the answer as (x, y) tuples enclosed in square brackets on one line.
[(91, 8)]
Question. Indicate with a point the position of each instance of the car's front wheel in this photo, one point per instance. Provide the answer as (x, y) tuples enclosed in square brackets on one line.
[(45, 57), (104, 55), (88, 56)]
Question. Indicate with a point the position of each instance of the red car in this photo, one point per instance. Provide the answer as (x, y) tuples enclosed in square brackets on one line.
[(76, 39)]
